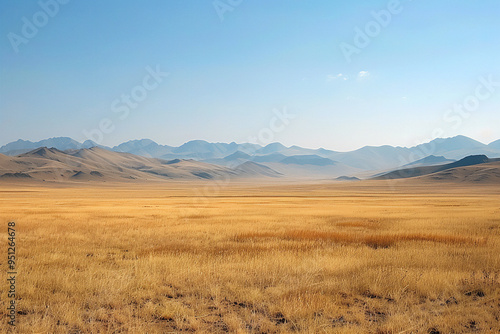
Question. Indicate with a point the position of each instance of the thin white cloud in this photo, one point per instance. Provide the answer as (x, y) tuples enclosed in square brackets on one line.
[(363, 74), (340, 76)]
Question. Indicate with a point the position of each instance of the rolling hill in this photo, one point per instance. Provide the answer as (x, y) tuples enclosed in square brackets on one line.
[(296, 160), (446, 169), (487, 173), (255, 169), (97, 164)]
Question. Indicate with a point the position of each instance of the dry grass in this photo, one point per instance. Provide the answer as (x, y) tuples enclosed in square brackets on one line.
[(372, 240), (280, 259)]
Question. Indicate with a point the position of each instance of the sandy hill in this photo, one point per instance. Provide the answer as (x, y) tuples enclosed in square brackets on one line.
[(97, 164), (255, 169), (487, 173), (475, 168), (6, 161)]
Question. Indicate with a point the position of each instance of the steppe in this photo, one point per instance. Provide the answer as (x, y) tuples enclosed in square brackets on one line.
[(327, 257)]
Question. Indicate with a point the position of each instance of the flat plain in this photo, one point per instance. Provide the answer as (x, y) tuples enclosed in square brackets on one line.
[(362, 257)]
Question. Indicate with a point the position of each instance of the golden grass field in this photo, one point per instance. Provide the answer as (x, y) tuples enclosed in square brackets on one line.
[(339, 258)]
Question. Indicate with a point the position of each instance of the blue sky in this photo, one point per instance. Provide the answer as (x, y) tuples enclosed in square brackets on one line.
[(226, 76)]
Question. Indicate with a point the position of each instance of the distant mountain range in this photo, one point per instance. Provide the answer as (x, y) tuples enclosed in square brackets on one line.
[(289, 161)]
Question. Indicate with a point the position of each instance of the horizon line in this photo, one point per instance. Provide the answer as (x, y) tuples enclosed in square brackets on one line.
[(243, 143)]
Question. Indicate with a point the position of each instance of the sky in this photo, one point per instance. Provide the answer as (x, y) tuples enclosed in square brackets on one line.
[(326, 73)]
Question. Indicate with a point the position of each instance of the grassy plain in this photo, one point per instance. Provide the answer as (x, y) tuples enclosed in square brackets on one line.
[(339, 258)]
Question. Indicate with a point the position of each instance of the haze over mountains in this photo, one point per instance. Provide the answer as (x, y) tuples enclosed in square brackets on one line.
[(146, 160), (366, 158), (51, 164)]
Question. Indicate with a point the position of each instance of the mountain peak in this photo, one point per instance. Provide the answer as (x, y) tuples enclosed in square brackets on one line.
[(138, 142), (275, 145), (237, 155), (459, 141), (43, 152), (89, 143), (197, 142), (272, 148), (495, 144)]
